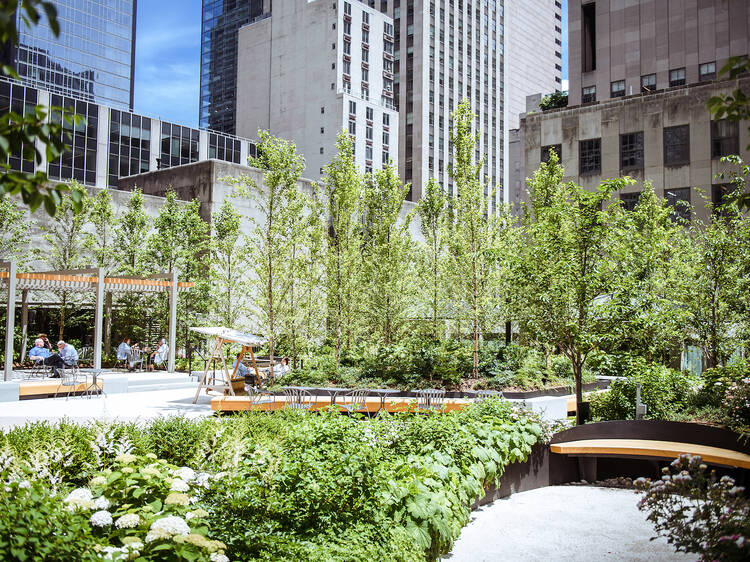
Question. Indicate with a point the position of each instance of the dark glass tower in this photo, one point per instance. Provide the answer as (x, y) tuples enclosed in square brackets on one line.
[(93, 58), (221, 21)]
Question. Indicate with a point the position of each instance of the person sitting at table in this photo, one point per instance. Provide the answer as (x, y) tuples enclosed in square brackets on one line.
[(66, 356), (123, 350), (281, 370), (159, 356), (38, 352)]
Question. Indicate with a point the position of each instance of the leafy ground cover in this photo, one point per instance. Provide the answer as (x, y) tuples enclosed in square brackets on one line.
[(293, 486)]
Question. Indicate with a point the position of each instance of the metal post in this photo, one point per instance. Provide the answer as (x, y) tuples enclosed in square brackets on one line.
[(24, 322), (10, 321), (172, 321), (98, 319)]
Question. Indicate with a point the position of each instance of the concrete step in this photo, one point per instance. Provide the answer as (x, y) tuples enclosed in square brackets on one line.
[(161, 386)]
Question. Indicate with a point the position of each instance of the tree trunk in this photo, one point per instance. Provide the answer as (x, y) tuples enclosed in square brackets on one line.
[(24, 322), (108, 322), (577, 370)]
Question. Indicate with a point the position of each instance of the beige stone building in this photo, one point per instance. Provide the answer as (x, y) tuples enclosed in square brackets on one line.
[(640, 75)]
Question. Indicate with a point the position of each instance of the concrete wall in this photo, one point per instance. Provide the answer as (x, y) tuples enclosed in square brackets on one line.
[(649, 113), (641, 37)]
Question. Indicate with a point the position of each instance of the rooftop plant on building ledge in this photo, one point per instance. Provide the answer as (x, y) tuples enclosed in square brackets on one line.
[(554, 100)]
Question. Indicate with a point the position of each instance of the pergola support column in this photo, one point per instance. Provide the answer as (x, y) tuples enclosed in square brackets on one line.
[(172, 320), (24, 322), (10, 321), (98, 318)]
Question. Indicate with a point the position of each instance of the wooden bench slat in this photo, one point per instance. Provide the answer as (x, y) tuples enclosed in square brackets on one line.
[(651, 448)]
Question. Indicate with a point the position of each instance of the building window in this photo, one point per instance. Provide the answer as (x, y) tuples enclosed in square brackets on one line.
[(352, 128), (386, 138), (677, 145), (617, 89), (588, 94), (386, 157), (630, 200), (365, 75), (322, 109), (720, 195), (347, 67), (725, 138), (677, 77), (631, 151), (321, 150), (368, 133), (588, 51), (707, 71), (547, 149), (365, 36), (347, 28), (222, 148), (365, 17), (79, 161), (590, 156), (368, 153), (352, 107), (347, 48), (679, 200), (648, 83), (386, 119), (365, 55), (347, 8)]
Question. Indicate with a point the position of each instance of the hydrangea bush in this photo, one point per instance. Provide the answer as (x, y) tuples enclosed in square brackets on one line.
[(294, 485), (697, 511)]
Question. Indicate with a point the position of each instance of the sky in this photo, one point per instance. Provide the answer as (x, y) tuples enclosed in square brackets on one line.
[(167, 59)]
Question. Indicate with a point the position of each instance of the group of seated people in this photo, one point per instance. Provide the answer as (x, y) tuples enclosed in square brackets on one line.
[(128, 353), (243, 370), (41, 353)]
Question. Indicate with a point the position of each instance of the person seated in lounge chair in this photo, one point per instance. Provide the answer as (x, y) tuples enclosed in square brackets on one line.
[(39, 352), (239, 368), (159, 357), (123, 351)]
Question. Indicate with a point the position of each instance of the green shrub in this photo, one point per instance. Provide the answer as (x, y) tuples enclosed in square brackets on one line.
[(666, 393), (716, 382)]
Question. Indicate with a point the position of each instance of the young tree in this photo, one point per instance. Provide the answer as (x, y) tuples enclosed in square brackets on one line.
[(386, 263), (100, 244), (271, 243), (564, 274), (432, 212), (65, 238), (473, 230), (14, 231), (342, 187), (712, 289), (648, 251), (130, 238), (228, 266), (180, 243)]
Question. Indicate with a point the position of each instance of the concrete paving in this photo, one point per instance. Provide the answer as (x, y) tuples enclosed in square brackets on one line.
[(580, 523), (127, 407)]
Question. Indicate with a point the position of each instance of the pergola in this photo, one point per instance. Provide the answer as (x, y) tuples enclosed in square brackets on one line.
[(87, 280)]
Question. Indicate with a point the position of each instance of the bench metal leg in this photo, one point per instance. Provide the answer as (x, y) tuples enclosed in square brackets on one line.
[(587, 468)]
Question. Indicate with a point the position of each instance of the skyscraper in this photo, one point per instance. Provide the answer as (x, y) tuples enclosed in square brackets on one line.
[(92, 59), (315, 68), (447, 51), (221, 21)]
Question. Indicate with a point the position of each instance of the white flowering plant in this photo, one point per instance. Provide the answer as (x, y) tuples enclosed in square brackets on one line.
[(144, 508), (697, 511)]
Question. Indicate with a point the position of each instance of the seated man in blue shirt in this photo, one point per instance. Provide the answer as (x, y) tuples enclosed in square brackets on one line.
[(38, 352), (66, 356)]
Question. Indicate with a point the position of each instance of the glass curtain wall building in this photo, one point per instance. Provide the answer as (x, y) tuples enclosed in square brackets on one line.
[(108, 143), (92, 59), (221, 20)]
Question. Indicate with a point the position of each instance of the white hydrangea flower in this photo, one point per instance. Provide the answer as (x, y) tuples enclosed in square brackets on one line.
[(24, 484), (125, 458), (101, 503), (128, 521), (185, 473), (98, 481), (156, 535), (179, 485), (202, 479), (79, 494), (216, 557), (101, 518), (196, 514), (172, 525)]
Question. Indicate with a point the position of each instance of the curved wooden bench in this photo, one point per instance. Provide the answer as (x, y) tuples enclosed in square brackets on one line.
[(647, 448)]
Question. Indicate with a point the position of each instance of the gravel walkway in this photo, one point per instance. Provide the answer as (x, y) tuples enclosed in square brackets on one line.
[(580, 523)]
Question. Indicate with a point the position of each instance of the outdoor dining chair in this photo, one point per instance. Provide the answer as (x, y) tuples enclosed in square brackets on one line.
[(483, 395), (430, 399), (299, 399), (38, 371), (71, 377), (354, 400)]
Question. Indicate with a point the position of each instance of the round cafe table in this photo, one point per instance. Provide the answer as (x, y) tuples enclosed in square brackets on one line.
[(383, 393)]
